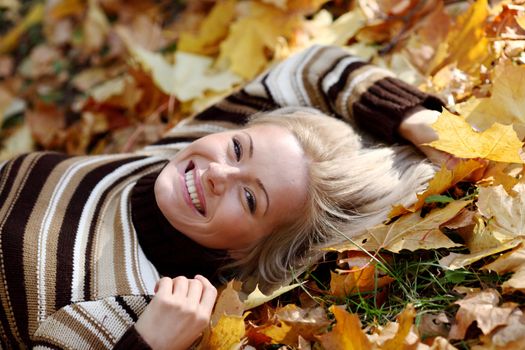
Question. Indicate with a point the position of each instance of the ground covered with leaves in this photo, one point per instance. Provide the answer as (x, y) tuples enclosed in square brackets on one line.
[(101, 76)]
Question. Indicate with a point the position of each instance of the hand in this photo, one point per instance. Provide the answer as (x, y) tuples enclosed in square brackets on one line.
[(178, 313), (417, 129)]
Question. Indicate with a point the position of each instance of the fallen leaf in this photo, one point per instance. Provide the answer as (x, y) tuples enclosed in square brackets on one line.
[(509, 337), (505, 213), (442, 181), (211, 32), (228, 303), (467, 44), (46, 122), (456, 136), (256, 297), (227, 333), (11, 39), (346, 334), (20, 141), (410, 232), (405, 319), (513, 261), (506, 105), (482, 308)]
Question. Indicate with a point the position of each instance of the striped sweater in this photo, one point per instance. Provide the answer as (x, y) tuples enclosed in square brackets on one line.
[(78, 257)]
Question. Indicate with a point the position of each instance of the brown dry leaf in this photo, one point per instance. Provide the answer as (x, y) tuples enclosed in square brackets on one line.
[(288, 324), (96, 27), (467, 44), (65, 8), (509, 337), (346, 334), (228, 303), (498, 143), (442, 181), (410, 232), (513, 261), (507, 102), (482, 308), (46, 123)]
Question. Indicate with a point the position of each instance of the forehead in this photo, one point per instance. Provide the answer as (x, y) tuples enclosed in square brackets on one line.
[(282, 167)]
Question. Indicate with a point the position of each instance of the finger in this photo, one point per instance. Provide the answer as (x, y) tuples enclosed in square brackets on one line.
[(164, 286), (209, 294), (194, 291), (180, 287)]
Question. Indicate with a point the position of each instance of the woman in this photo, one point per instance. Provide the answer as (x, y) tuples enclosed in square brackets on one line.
[(84, 240)]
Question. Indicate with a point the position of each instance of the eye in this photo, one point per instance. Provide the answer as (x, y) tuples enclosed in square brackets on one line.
[(237, 149), (250, 200)]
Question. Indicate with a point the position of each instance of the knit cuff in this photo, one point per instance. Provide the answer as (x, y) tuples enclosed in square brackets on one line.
[(382, 108), (132, 340)]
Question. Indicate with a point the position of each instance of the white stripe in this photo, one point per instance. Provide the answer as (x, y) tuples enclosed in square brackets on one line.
[(335, 74), (46, 226), (87, 217), (135, 258), (81, 319), (348, 90), (2, 163), (285, 81)]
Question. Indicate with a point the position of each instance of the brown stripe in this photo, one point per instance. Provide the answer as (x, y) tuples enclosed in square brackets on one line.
[(16, 179), (33, 257), (13, 234), (69, 229)]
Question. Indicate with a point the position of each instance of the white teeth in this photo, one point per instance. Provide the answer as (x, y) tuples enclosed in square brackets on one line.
[(192, 190)]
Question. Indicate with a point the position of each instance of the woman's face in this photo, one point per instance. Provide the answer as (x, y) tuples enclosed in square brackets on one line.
[(228, 190)]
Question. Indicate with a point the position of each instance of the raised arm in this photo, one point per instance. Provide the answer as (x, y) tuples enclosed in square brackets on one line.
[(330, 79)]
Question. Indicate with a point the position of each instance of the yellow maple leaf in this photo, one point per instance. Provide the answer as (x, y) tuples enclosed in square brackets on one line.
[(498, 143), (467, 44), (213, 29), (507, 102), (406, 319), (410, 232), (346, 334), (245, 50), (227, 333), (442, 181)]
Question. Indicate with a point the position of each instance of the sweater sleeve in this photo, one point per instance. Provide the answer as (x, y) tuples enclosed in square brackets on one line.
[(131, 340), (107, 323), (330, 79)]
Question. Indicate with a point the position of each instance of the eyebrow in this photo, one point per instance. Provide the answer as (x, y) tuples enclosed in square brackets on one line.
[(257, 180)]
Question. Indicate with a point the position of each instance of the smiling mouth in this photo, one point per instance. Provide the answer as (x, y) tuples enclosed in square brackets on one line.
[(189, 177)]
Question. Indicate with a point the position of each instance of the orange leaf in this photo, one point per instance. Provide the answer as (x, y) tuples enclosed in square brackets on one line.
[(346, 334), (406, 319)]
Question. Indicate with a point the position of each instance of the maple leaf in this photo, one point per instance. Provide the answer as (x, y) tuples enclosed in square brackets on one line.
[(442, 181), (410, 232), (346, 334), (506, 105), (506, 213), (467, 44), (498, 143), (257, 298), (213, 29), (508, 337), (245, 50), (227, 333), (406, 319), (482, 308)]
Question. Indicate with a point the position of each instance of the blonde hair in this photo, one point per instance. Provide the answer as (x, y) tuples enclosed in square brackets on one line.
[(352, 186)]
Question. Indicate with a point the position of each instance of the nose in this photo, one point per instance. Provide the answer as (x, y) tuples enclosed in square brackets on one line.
[(218, 175)]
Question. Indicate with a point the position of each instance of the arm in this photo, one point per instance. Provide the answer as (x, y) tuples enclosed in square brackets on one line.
[(329, 79)]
